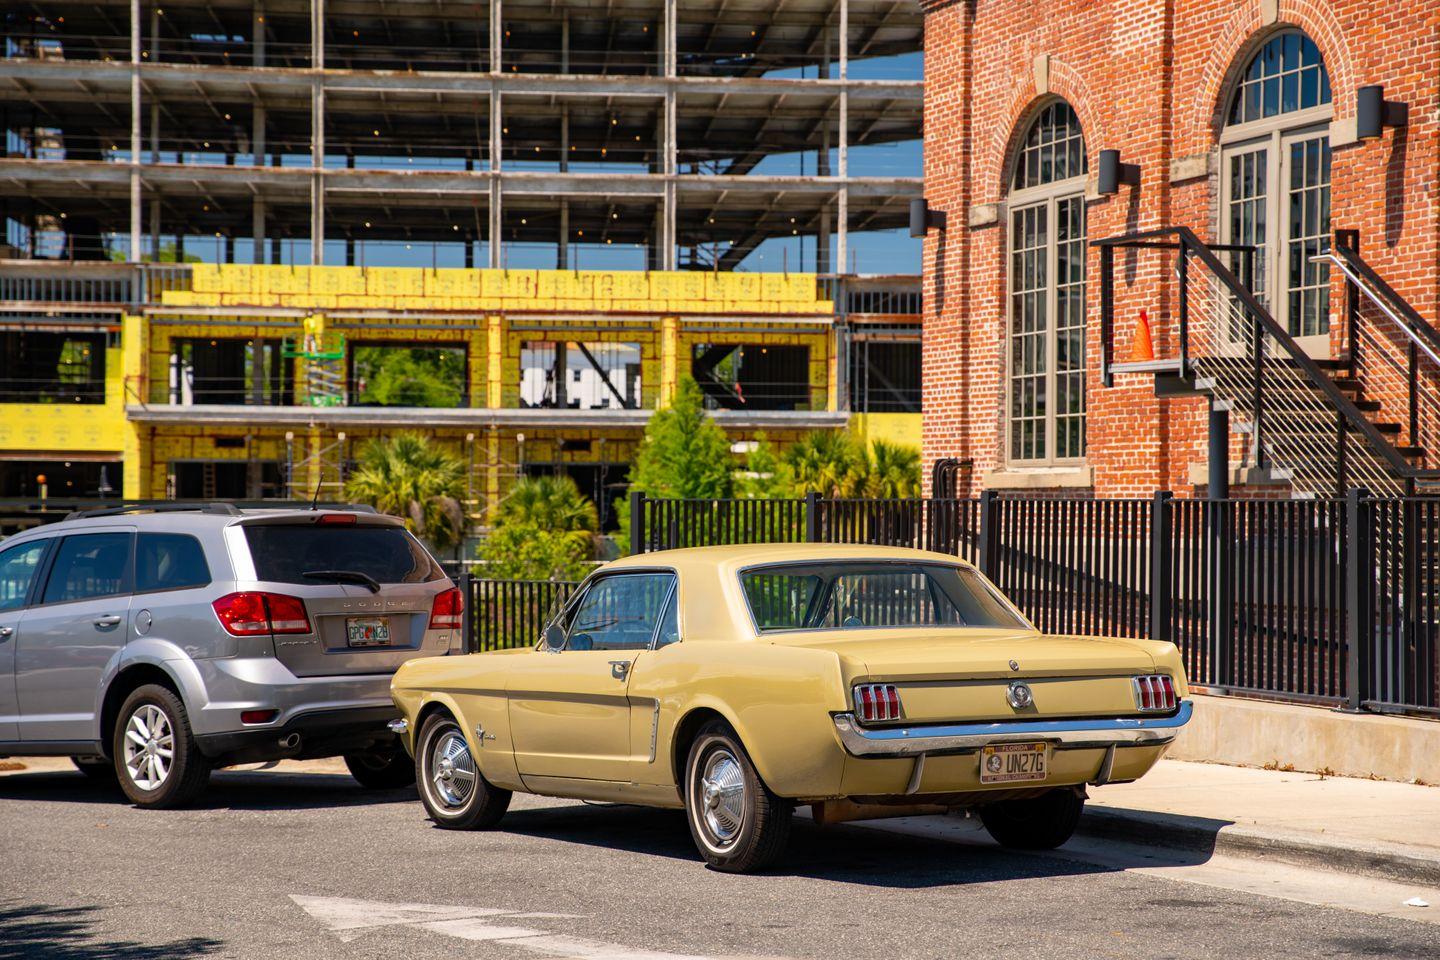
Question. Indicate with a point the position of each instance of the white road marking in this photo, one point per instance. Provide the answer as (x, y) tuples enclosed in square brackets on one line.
[(348, 919)]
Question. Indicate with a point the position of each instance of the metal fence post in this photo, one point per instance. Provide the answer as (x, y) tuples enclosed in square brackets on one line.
[(637, 521), (467, 596), (812, 517), (1160, 551), (988, 553), (1359, 596)]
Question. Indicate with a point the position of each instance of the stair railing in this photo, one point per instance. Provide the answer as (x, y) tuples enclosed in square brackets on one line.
[(1229, 343), (1374, 347)]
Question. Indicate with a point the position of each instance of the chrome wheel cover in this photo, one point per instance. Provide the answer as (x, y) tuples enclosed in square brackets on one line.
[(719, 796), (149, 747), (451, 769)]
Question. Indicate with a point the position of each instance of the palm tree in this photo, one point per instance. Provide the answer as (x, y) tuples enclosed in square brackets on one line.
[(553, 504), (893, 471), (408, 476), (827, 462)]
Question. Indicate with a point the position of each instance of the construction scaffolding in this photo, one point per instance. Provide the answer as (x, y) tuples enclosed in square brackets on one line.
[(518, 132)]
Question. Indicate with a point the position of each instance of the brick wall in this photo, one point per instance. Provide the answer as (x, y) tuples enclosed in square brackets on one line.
[(1150, 78)]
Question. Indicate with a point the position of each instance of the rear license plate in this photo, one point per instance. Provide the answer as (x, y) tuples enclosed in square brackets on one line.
[(367, 631), (1013, 762)]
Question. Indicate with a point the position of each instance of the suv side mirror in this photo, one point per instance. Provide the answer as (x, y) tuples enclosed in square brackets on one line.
[(554, 638)]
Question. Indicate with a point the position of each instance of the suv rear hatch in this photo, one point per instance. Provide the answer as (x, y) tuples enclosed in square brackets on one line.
[(961, 674), (368, 588)]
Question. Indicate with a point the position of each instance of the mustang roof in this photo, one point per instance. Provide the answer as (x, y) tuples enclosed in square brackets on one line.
[(744, 555)]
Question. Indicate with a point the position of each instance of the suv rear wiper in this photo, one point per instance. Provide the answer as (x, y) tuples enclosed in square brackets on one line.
[(345, 576)]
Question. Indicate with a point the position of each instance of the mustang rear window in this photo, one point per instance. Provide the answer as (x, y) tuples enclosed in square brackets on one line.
[(284, 553), (855, 594)]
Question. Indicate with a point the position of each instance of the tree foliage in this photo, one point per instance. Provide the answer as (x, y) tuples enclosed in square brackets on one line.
[(544, 530), (408, 476), (409, 376)]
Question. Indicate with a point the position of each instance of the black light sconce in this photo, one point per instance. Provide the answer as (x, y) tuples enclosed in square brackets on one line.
[(1112, 172), (1373, 113), (922, 218)]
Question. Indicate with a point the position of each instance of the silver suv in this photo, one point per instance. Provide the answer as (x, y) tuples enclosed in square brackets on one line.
[(153, 645)]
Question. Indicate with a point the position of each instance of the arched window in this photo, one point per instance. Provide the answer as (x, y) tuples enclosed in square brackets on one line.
[(1046, 356), (1275, 183)]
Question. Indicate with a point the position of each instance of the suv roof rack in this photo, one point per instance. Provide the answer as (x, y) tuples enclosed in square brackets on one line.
[(229, 508)]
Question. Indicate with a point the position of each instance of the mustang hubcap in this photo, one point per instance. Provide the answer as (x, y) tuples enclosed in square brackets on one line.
[(722, 796), (149, 747), (452, 771)]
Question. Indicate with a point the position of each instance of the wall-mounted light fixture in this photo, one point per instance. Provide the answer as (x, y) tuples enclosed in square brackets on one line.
[(1373, 113), (1112, 172), (922, 218)]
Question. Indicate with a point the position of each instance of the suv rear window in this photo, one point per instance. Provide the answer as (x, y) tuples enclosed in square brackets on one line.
[(284, 553)]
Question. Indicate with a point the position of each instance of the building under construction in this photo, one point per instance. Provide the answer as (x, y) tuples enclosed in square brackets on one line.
[(513, 225)]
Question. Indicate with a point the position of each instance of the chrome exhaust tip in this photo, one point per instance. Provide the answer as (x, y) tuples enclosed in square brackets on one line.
[(290, 741)]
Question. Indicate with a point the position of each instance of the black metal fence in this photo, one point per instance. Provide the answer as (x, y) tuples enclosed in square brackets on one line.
[(1333, 602)]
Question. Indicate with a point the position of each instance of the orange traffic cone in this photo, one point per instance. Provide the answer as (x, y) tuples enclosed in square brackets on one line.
[(1142, 348)]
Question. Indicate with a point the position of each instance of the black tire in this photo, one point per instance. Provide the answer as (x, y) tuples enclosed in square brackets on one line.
[(1040, 823), (452, 799), (187, 771), (734, 838), (95, 768), (388, 768)]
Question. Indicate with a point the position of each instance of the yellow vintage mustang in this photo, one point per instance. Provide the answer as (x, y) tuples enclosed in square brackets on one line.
[(738, 682)]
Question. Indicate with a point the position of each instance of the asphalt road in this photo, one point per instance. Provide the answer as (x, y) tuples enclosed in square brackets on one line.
[(306, 864)]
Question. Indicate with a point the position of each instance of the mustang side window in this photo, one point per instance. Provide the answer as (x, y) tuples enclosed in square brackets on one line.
[(619, 612)]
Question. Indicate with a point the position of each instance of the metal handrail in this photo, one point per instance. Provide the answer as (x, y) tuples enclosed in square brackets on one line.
[(1368, 282), (1192, 245)]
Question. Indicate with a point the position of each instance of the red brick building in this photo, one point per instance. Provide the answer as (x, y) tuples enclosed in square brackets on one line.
[(1241, 117)]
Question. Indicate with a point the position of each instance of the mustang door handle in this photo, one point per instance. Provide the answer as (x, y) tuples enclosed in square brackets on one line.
[(6, 632), (618, 668), (109, 620)]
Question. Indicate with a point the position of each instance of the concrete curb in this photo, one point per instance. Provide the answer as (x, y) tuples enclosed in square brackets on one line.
[(1383, 860)]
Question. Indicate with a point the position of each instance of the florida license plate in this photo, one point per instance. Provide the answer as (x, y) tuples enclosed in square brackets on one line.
[(367, 631), (1013, 762)]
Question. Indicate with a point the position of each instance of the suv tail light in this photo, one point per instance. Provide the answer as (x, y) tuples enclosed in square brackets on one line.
[(1155, 693), (876, 702), (252, 614), (446, 610)]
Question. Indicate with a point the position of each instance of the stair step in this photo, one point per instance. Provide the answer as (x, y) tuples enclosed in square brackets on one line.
[(1410, 450)]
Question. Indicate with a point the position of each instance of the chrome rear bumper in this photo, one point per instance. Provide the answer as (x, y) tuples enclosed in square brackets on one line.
[(1099, 732)]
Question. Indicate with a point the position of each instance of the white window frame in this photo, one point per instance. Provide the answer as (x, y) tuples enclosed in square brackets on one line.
[(1050, 196), (1274, 136)]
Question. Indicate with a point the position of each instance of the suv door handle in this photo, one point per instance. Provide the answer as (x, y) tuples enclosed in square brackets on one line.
[(618, 668), (109, 620)]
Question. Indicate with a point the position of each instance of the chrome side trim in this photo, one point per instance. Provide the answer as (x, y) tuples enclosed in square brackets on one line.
[(399, 727), (969, 737)]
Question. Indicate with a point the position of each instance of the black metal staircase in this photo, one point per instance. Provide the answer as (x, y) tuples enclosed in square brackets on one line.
[(1324, 426)]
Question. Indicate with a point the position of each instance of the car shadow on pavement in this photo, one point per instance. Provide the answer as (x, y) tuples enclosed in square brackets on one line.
[(65, 933), (229, 789), (846, 853)]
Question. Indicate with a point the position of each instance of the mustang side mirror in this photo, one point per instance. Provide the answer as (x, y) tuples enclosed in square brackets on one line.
[(554, 638)]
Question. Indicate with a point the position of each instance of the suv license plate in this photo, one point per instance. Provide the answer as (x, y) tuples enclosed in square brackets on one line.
[(367, 631), (1013, 762)]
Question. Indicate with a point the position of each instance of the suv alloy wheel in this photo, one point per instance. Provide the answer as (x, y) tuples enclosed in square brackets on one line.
[(156, 759)]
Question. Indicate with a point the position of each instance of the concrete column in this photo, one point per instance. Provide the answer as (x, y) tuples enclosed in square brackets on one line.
[(155, 227), (257, 217), (843, 153), (565, 43), (562, 254), (494, 361), (258, 144), (666, 238), (257, 39), (497, 146), (154, 107), (135, 143), (317, 133), (822, 168)]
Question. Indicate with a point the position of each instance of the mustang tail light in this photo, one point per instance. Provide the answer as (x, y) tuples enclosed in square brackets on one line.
[(877, 702), (446, 610), (1155, 693), (253, 614)]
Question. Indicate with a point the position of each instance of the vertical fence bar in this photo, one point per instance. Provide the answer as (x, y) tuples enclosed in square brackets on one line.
[(468, 598), (1360, 632), (812, 517), (1160, 540), (637, 521), (988, 551)]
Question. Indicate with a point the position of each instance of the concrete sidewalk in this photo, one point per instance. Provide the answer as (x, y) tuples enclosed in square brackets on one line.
[(1373, 827)]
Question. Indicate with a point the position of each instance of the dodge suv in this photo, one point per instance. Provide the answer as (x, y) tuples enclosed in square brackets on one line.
[(154, 645)]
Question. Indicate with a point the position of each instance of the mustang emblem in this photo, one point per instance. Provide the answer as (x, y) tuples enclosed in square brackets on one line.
[(1020, 695)]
